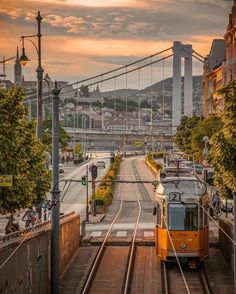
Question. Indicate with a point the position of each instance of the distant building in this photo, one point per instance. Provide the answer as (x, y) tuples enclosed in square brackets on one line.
[(219, 67), (213, 78)]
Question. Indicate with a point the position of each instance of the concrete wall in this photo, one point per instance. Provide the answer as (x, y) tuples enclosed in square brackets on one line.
[(28, 270), (226, 245)]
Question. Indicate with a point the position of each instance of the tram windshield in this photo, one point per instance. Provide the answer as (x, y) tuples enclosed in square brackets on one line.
[(188, 187), (183, 217)]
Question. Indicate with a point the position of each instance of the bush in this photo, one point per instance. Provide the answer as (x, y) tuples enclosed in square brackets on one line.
[(103, 193), (153, 163)]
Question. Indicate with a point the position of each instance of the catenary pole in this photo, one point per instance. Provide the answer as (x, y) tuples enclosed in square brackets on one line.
[(55, 193)]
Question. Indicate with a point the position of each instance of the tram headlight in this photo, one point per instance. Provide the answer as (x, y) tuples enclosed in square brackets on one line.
[(183, 245)]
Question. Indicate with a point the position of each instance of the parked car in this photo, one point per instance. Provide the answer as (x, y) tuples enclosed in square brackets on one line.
[(198, 169), (61, 168), (228, 207), (101, 164)]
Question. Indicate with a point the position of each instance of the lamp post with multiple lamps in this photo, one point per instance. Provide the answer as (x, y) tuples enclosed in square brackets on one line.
[(24, 59)]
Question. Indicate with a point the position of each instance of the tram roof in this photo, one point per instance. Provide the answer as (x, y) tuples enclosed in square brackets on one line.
[(190, 188)]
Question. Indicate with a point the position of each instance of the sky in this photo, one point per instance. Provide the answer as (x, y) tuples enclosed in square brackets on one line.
[(82, 38)]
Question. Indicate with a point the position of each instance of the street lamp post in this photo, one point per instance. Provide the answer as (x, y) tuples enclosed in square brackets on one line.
[(24, 59)]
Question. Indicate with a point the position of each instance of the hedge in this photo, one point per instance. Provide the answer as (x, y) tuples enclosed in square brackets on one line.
[(104, 192)]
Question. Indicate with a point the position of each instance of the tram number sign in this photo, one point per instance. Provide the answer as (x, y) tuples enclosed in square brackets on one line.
[(174, 197), (6, 180)]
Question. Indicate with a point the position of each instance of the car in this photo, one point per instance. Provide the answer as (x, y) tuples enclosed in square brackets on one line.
[(101, 164), (228, 207), (198, 169), (61, 168)]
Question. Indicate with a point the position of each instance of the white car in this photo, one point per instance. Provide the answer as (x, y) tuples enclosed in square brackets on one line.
[(61, 168), (101, 164)]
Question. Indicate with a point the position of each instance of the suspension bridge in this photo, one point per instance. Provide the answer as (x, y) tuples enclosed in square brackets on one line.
[(179, 106)]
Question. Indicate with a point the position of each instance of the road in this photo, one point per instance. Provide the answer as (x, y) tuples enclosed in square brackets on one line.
[(75, 196)]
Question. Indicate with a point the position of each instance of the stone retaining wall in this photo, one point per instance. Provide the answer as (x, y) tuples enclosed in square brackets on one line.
[(226, 245), (28, 270)]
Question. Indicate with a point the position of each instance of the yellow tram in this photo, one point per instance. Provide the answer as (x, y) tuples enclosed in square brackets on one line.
[(181, 222)]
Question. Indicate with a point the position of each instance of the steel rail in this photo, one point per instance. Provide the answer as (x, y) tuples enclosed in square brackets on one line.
[(132, 249), (99, 255), (164, 278), (206, 288), (100, 252)]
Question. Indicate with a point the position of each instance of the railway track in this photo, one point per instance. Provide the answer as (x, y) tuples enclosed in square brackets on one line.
[(112, 268), (172, 280)]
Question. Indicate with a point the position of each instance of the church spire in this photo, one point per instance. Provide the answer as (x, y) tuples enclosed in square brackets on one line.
[(17, 53), (17, 69)]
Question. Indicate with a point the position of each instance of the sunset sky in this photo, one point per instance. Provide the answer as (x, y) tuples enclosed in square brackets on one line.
[(86, 37)]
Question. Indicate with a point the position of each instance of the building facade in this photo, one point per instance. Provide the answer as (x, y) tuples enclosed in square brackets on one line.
[(219, 67)]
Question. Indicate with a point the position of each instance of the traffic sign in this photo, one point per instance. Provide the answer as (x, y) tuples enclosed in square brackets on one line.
[(6, 180)]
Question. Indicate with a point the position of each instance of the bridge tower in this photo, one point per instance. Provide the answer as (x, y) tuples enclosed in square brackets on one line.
[(181, 50)]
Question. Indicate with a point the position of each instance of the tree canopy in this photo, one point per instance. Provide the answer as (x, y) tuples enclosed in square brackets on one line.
[(183, 135), (206, 127), (222, 155), (21, 154)]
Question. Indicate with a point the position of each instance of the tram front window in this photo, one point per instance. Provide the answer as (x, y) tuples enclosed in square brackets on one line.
[(183, 217)]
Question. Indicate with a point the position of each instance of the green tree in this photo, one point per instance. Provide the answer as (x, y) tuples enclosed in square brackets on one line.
[(21, 154), (78, 150), (47, 135), (206, 127), (222, 155), (183, 135)]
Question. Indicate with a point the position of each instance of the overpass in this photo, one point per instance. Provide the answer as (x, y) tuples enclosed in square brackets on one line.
[(118, 138)]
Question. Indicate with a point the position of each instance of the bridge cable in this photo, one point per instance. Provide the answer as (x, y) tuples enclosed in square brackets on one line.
[(121, 74), (198, 58), (106, 79), (116, 69)]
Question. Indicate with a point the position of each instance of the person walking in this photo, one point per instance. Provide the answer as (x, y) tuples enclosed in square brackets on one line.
[(29, 217), (216, 203)]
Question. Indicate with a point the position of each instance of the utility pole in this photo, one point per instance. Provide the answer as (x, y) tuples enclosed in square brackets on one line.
[(93, 170), (87, 205), (234, 196), (55, 232)]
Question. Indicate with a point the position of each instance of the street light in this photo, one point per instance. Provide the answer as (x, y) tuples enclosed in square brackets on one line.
[(24, 59)]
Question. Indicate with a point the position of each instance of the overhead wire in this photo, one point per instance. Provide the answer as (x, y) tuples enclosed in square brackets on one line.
[(176, 256), (205, 210)]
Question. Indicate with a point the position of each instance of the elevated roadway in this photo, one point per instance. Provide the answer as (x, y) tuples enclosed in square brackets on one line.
[(117, 138)]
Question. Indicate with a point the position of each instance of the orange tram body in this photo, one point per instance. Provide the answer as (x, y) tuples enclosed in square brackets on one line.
[(182, 227)]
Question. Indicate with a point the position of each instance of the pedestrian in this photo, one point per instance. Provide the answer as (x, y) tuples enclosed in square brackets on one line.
[(11, 227), (63, 160), (215, 199), (29, 217), (67, 159)]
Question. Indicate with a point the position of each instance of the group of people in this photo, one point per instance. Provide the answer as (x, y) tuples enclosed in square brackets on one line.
[(29, 218)]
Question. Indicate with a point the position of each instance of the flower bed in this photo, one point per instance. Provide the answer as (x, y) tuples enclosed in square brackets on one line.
[(153, 164), (104, 192)]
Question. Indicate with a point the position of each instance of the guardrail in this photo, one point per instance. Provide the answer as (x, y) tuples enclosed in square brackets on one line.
[(39, 226)]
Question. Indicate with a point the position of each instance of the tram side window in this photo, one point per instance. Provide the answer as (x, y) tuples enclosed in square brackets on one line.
[(183, 217), (158, 214)]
